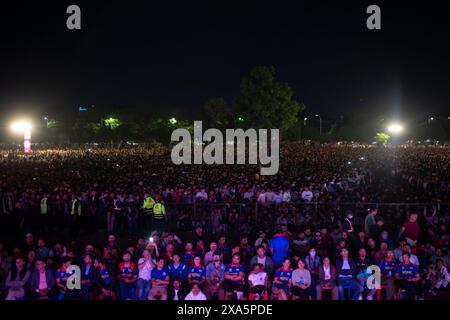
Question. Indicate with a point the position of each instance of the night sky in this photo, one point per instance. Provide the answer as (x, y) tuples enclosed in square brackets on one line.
[(151, 55)]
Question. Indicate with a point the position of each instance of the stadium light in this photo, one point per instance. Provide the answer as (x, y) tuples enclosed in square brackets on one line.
[(23, 127), (395, 128)]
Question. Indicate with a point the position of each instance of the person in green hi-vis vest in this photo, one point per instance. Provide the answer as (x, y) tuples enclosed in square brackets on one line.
[(147, 207), (159, 216), (43, 218)]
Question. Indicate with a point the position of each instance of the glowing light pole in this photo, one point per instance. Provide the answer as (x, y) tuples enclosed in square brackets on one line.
[(25, 128), (320, 124)]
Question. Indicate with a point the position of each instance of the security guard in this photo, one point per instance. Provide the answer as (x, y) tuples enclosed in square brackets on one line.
[(75, 207), (44, 205), (159, 216), (75, 213), (44, 210), (147, 206)]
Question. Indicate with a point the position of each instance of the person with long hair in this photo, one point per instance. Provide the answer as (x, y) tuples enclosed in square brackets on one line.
[(16, 280)]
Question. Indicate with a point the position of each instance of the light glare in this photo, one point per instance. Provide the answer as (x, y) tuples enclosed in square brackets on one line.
[(21, 126), (395, 128)]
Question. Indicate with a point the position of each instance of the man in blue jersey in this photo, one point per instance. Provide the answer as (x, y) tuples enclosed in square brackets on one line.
[(104, 280), (279, 246), (408, 276), (197, 273), (234, 277), (178, 270), (62, 275), (387, 267), (160, 281), (283, 280)]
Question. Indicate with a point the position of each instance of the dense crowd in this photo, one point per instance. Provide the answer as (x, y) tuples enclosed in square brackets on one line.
[(140, 227)]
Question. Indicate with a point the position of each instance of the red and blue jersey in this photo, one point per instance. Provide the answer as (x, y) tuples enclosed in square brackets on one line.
[(387, 268), (106, 278), (130, 269), (234, 270), (197, 273), (62, 274), (188, 255), (406, 271), (283, 275)]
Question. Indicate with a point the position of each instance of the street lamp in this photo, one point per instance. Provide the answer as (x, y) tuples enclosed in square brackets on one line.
[(46, 121), (25, 128), (430, 119), (320, 124)]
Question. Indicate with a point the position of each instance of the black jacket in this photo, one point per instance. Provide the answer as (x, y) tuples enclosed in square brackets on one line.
[(181, 294)]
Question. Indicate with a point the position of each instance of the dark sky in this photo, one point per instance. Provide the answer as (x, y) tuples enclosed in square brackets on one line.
[(151, 54)]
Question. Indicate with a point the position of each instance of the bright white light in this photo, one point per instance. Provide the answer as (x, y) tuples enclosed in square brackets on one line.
[(395, 128), (21, 126)]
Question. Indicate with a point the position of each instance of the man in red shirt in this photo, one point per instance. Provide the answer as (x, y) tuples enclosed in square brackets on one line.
[(410, 230)]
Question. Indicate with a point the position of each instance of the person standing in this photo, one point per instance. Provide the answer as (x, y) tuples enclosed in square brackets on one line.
[(410, 230), (279, 247), (159, 216), (370, 221)]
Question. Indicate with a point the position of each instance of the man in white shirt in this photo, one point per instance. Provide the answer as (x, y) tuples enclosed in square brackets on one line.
[(145, 266), (196, 293)]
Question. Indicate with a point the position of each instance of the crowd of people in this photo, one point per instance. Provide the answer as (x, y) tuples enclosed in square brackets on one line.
[(139, 227)]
